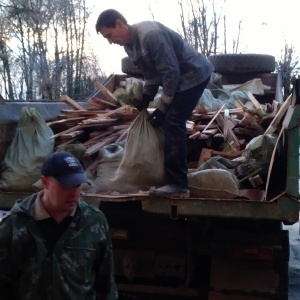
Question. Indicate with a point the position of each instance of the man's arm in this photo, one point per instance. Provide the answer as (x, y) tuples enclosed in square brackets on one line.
[(166, 63), (6, 260)]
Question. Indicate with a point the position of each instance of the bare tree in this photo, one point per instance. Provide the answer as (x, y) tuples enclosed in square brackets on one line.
[(288, 66), (50, 36), (5, 60), (236, 42), (201, 25)]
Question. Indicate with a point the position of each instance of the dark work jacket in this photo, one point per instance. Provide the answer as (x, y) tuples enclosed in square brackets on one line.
[(166, 59)]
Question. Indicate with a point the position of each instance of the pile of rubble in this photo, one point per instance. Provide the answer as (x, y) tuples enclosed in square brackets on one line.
[(106, 121)]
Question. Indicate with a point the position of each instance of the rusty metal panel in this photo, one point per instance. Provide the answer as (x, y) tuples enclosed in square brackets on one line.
[(284, 209)]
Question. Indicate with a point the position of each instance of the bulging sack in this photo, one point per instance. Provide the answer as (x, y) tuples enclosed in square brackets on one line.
[(142, 165), (22, 163), (110, 158), (213, 183)]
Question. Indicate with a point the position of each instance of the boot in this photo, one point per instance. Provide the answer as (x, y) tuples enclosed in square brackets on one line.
[(170, 191)]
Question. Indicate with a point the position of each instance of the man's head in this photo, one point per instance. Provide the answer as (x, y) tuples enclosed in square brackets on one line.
[(65, 168), (113, 26), (62, 176)]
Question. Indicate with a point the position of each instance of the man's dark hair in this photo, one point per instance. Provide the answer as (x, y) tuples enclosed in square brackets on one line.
[(108, 18)]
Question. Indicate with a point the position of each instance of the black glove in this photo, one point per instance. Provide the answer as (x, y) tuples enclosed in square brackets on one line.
[(144, 103), (157, 118)]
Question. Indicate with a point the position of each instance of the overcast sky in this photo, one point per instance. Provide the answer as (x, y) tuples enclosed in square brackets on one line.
[(266, 24)]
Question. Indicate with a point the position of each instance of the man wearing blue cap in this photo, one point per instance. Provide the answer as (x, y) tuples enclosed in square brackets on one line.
[(53, 245)]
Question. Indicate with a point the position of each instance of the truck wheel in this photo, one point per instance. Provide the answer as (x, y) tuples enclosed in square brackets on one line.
[(129, 68), (243, 63)]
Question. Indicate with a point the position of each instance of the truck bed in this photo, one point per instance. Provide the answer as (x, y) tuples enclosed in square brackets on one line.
[(283, 208)]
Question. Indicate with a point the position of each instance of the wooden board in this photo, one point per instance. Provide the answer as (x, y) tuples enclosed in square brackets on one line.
[(73, 112), (204, 156), (284, 107), (72, 134), (96, 147), (63, 121), (254, 101), (230, 136), (71, 102), (102, 103), (107, 94)]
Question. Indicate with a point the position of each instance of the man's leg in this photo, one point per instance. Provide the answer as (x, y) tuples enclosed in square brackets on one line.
[(175, 133)]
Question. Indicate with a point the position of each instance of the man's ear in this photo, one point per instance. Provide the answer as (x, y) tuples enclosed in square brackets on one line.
[(119, 23), (44, 181)]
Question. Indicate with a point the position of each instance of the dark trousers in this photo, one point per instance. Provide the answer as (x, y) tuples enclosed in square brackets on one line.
[(175, 133)]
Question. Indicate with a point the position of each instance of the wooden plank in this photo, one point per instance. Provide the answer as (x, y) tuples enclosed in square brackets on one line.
[(72, 134), (121, 127), (96, 147), (63, 121), (116, 111), (99, 120), (246, 131), (210, 131), (284, 107), (66, 131), (107, 94), (204, 156), (231, 110), (98, 138), (239, 104), (214, 117), (102, 103), (254, 101), (195, 135), (72, 112), (233, 153), (201, 127), (71, 102), (230, 136)]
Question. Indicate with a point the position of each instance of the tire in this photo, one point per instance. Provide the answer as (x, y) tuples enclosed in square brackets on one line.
[(243, 63), (129, 68)]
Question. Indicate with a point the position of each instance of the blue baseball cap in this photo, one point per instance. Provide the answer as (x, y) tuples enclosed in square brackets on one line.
[(65, 168)]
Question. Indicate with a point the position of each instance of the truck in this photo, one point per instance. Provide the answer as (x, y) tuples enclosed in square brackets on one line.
[(197, 248)]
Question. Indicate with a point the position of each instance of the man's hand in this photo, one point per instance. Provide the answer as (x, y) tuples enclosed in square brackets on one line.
[(144, 103), (157, 118)]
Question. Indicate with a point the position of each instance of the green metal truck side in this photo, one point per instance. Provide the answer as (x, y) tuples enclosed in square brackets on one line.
[(214, 249)]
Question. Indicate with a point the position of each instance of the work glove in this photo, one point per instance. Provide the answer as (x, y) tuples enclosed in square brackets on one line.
[(144, 103), (157, 118)]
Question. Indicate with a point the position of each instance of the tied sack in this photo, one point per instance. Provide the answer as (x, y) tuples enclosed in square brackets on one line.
[(213, 183), (142, 165), (21, 166), (110, 158)]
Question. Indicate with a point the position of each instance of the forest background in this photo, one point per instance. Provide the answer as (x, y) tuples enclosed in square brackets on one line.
[(49, 47)]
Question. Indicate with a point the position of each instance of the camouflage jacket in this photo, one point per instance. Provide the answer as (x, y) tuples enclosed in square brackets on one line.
[(80, 266)]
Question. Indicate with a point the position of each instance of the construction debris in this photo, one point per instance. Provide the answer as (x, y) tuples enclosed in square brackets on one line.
[(223, 132)]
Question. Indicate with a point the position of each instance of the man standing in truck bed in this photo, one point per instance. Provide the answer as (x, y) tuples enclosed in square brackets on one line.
[(166, 60)]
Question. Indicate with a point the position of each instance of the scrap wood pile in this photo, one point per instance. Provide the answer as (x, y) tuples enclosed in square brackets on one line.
[(103, 122), (106, 121)]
